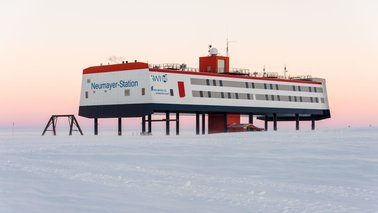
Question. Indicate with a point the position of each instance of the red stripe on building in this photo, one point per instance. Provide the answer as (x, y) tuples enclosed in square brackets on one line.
[(115, 67)]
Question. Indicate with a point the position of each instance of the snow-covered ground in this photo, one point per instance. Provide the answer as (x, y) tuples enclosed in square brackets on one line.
[(284, 171)]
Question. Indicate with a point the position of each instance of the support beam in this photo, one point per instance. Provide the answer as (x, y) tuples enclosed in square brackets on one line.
[(225, 126), (143, 124), (71, 122), (296, 121), (149, 117), (275, 121), (197, 123), (167, 123), (266, 122), (96, 126), (312, 123), (250, 118), (203, 123), (177, 123), (119, 126)]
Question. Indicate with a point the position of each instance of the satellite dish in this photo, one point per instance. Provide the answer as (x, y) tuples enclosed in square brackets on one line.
[(213, 51)]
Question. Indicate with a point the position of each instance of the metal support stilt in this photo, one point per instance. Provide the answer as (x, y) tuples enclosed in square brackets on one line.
[(143, 124), (250, 118), (203, 123), (197, 123), (167, 123), (119, 126), (296, 121), (312, 123), (177, 123), (149, 117), (71, 122), (266, 122), (96, 126), (275, 121)]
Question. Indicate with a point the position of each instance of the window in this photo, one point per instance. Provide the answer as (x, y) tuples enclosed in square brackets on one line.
[(266, 97), (311, 99), (276, 86), (293, 88), (271, 86), (295, 98), (209, 94), (309, 89), (229, 95), (221, 83), (315, 89), (201, 94), (299, 88), (207, 82), (300, 99), (214, 82), (88, 81), (236, 95), (290, 98), (272, 97), (171, 91), (222, 94), (246, 85), (86, 94), (143, 91), (127, 92), (253, 85), (265, 86), (278, 98), (248, 96)]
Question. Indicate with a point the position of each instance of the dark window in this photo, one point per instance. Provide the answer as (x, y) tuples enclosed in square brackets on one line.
[(317, 100), (127, 92), (222, 94), (272, 97), (171, 91), (246, 85), (267, 97), (299, 88), (88, 81), (214, 82), (236, 95), (207, 82), (290, 98), (315, 89), (309, 89), (249, 96), (295, 98), (209, 94), (229, 95), (143, 91), (278, 98), (276, 86), (201, 93), (271, 86), (265, 86), (86, 94), (293, 88), (311, 99), (300, 99), (221, 83), (253, 85)]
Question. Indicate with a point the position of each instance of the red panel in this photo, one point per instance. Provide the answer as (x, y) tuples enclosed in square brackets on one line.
[(115, 67), (216, 121), (181, 89), (211, 62)]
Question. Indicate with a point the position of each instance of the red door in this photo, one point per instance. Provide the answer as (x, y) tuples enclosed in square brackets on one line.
[(181, 89)]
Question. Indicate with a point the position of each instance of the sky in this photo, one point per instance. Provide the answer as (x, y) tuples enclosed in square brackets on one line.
[(45, 45)]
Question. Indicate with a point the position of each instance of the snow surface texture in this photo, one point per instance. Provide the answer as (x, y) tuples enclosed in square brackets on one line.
[(284, 171)]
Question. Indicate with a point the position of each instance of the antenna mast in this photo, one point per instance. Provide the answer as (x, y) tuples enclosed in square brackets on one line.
[(227, 42), (285, 71)]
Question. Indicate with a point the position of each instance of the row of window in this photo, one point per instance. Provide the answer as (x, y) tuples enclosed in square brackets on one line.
[(259, 97), (253, 85), (126, 92)]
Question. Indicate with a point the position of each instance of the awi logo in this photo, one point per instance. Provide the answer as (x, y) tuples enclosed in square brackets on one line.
[(160, 78)]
